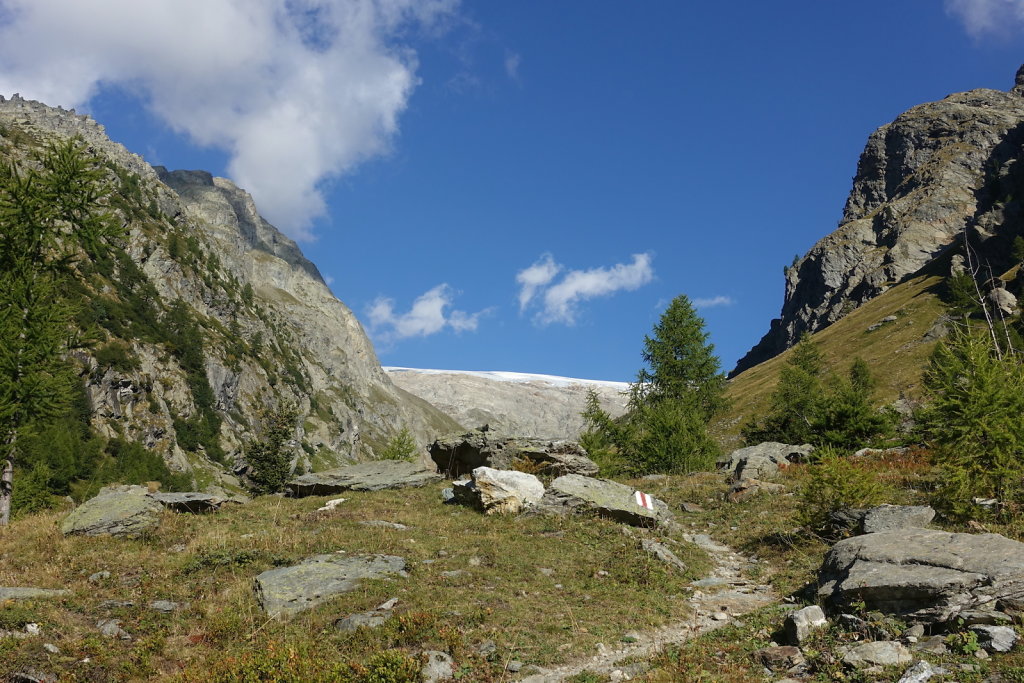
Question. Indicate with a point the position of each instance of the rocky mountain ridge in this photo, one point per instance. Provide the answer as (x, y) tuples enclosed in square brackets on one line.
[(521, 404), (201, 268), (940, 171)]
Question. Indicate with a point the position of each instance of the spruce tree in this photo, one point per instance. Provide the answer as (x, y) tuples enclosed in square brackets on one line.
[(269, 457), (51, 213)]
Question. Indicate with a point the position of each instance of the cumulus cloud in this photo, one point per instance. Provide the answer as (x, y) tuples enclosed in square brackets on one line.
[(560, 301), (539, 275), (982, 17), (295, 91), (713, 301), (426, 317)]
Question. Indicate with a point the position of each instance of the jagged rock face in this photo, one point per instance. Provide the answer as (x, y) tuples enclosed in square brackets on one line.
[(272, 332), (537, 406), (923, 179)]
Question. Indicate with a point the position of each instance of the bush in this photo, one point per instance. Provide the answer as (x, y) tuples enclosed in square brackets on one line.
[(401, 446), (838, 483)]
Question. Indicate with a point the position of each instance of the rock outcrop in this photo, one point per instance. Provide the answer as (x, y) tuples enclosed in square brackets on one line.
[(575, 493), (115, 511), (460, 454), (368, 476), (268, 329), (939, 170), (537, 406)]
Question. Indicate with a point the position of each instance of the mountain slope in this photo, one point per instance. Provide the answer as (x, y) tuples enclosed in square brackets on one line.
[(939, 170), (209, 315)]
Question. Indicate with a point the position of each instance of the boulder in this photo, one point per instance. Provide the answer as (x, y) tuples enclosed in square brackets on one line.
[(877, 653), (366, 476), (661, 552), (439, 666), (924, 574), (800, 624), (458, 455), (892, 517), (192, 501), (779, 657), (763, 460), (371, 619), (500, 491), (115, 511), (995, 638), (745, 489), (287, 591), (572, 492), (1003, 301), (30, 593)]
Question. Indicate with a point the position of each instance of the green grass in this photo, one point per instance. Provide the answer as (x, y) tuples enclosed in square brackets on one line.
[(209, 562)]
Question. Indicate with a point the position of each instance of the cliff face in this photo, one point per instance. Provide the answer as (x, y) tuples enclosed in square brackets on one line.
[(937, 171), (202, 271), (538, 406)]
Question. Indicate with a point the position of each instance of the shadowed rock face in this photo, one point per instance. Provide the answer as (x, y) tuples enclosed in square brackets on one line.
[(938, 169)]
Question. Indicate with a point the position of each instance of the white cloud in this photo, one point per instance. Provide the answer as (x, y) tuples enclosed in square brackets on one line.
[(512, 62), (982, 17), (714, 301), (296, 91), (560, 302), (539, 275), (426, 317)]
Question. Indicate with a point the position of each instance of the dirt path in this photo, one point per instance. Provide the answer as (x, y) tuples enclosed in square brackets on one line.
[(717, 600)]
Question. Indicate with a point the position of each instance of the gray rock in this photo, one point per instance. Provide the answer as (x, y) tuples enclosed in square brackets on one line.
[(662, 553), (111, 628), (13, 593), (32, 676), (935, 645), (366, 476), (891, 517), (193, 501), (165, 606), (454, 573), (919, 673), (500, 491), (51, 648), (380, 523), (371, 619), (99, 576), (115, 511), (878, 653), (572, 492), (995, 638), (438, 667), (460, 454), (924, 574), (116, 604), (514, 666), (448, 495), (763, 460), (779, 657), (800, 624), (1003, 301), (286, 591)]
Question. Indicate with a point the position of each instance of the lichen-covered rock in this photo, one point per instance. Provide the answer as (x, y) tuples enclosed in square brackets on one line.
[(367, 476), (924, 574), (287, 591), (25, 593), (763, 460), (572, 493), (460, 454), (115, 511)]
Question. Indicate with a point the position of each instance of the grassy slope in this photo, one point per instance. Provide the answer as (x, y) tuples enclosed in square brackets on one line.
[(896, 351)]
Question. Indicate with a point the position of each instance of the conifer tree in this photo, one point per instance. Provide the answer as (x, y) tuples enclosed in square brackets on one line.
[(51, 212)]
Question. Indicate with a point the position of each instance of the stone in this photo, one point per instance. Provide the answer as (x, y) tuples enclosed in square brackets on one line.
[(371, 619), (763, 460), (330, 505), (99, 577), (500, 491), (745, 489), (779, 657), (438, 667), (366, 476), (691, 507), (460, 454), (800, 624), (921, 672), (662, 553), (514, 666), (383, 524), (995, 638), (925, 575), (116, 511), (877, 653), (454, 573), (51, 648), (572, 492), (1003, 301), (286, 591), (111, 628), (14, 593), (165, 606), (193, 501), (32, 676), (935, 645), (891, 517)]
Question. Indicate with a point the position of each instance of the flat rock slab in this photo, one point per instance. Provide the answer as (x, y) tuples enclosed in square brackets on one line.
[(115, 511), (891, 517), (925, 574), (573, 492), (287, 591), (30, 593), (366, 476), (192, 501), (460, 454)]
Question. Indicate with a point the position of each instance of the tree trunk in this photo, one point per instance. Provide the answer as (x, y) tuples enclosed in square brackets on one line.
[(6, 490)]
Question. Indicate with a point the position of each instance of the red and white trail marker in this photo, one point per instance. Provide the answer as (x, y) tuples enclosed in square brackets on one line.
[(644, 500)]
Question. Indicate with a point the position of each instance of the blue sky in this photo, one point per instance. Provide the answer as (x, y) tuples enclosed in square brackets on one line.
[(520, 185)]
